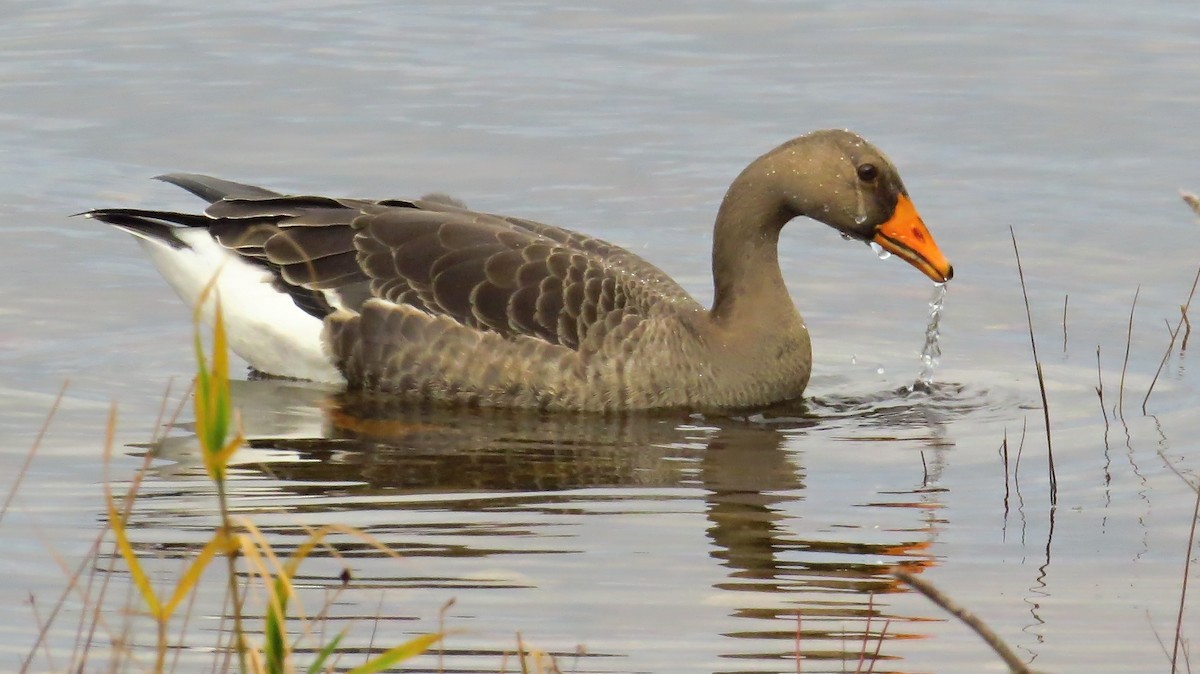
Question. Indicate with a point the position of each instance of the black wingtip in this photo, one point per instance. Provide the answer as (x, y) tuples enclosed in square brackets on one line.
[(150, 225), (213, 189)]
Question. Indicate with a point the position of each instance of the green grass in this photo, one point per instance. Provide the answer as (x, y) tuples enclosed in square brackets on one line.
[(251, 567), (235, 539)]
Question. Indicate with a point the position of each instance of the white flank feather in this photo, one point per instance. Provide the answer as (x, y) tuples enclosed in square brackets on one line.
[(264, 326)]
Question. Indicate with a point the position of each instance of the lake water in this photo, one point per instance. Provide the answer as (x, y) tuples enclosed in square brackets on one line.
[(664, 544)]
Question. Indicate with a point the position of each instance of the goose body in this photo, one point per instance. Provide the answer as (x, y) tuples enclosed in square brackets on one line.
[(429, 301)]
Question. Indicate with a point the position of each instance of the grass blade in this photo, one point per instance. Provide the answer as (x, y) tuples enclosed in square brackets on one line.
[(117, 522), (324, 653), (192, 576), (275, 646), (397, 654)]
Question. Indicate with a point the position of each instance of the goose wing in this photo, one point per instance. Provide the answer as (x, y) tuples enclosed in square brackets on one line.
[(488, 272)]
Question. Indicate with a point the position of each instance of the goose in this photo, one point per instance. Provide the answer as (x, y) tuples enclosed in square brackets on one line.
[(427, 301)]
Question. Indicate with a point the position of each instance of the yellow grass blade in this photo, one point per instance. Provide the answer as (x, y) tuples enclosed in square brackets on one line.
[(140, 580), (255, 663), (317, 536), (218, 403), (192, 576), (220, 366), (253, 557), (201, 396), (305, 548), (221, 458), (198, 310), (255, 535), (213, 409), (264, 559), (259, 557), (405, 651)]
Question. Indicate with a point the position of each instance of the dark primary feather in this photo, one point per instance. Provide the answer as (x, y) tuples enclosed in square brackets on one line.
[(213, 189), (157, 225)]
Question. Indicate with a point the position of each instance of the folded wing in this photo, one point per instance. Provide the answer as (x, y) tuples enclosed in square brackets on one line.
[(487, 272)]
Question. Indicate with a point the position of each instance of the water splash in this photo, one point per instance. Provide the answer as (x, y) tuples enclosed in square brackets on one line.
[(931, 355)]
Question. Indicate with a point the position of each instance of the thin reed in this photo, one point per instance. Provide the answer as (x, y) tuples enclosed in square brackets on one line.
[(1040, 377)]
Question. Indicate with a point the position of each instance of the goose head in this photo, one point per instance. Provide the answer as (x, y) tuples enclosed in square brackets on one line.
[(838, 178)]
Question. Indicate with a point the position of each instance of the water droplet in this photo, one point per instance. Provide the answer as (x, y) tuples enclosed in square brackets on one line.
[(846, 236), (879, 371), (879, 250), (853, 359)]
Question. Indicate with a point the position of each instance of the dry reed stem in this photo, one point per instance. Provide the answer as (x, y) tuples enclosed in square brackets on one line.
[(375, 629), (1193, 201), (441, 654), (72, 582), (862, 649), (1017, 463), (1187, 324), (1187, 563), (182, 635), (1183, 320), (158, 432), (798, 639), (1041, 379), (887, 623), (521, 654), (1004, 454), (1125, 364), (967, 618), (33, 448), (84, 596), (73, 577), (1100, 388), (94, 601), (42, 626)]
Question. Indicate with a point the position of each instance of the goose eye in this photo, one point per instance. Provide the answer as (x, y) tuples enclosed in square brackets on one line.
[(867, 172)]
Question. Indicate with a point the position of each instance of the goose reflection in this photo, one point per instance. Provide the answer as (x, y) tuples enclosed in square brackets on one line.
[(780, 554)]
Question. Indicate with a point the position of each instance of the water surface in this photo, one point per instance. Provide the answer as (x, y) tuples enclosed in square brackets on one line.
[(667, 543)]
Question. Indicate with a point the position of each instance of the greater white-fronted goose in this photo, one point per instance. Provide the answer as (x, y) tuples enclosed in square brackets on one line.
[(430, 301)]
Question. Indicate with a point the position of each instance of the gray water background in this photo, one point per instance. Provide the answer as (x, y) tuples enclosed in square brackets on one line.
[(677, 544)]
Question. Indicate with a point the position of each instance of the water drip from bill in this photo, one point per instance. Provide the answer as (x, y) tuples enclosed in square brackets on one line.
[(931, 355)]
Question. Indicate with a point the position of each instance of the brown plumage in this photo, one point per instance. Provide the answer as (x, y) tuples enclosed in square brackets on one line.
[(428, 300)]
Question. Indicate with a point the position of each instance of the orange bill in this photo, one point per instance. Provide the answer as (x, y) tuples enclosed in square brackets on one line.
[(906, 237)]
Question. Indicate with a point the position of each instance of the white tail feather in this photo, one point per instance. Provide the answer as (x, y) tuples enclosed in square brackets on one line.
[(264, 325)]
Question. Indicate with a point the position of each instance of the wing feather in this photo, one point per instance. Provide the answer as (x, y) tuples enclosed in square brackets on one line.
[(496, 274)]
